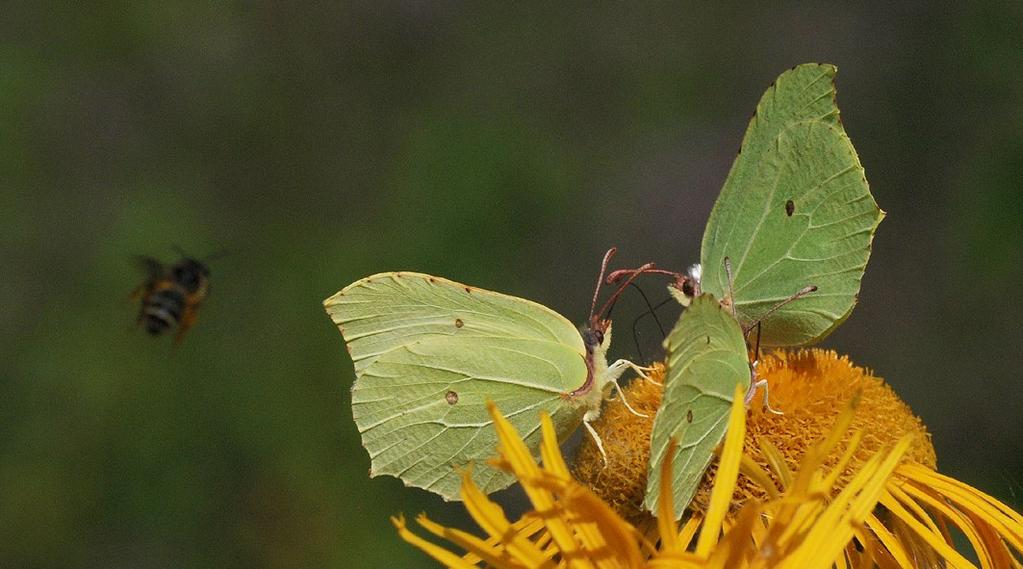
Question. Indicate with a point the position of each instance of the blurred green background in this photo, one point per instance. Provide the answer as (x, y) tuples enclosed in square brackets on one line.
[(503, 146)]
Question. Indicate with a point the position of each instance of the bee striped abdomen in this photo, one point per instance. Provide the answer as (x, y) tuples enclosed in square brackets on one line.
[(162, 309), (171, 295)]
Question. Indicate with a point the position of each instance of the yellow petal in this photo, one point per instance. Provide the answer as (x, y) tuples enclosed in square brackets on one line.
[(937, 478), (936, 542), (850, 450), (550, 450), (514, 451), (727, 473), (964, 523), (492, 520), (754, 472), (685, 535), (1006, 522), (440, 554), (665, 505), (777, 462), (494, 556), (890, 542), (834, 528)]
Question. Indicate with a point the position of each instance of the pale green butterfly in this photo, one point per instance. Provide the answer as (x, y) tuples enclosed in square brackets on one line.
[(795, 216), (429, 353), (706, 359)]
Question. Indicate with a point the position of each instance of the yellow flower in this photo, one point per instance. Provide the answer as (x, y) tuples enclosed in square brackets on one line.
[(825, 512), (908, 527), (827, 488)]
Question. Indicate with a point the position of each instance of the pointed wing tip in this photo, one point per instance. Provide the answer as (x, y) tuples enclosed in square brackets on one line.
[(331, 300), (335, 299), (829, 68)]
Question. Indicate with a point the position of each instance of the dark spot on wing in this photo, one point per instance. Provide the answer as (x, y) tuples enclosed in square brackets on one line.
[(459, 323), (689, 416), (708, 340), (790, 208), (451, 397), (432, 280), (468, 289)]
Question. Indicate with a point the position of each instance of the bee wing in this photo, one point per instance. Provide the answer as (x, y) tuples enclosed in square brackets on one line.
[(152, 267)]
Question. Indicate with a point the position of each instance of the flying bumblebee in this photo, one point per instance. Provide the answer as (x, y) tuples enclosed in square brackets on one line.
[(171, 294)]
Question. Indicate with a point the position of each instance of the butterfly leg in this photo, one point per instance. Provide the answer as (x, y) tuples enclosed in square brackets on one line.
[(615, 370), (618, 368), (589, 417), (626, 401), (752, 392), (642, 372), (731, 287)]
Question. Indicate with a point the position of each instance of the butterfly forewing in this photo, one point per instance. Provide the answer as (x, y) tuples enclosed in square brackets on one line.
[(706, 359), (795, 211), (388, 310)]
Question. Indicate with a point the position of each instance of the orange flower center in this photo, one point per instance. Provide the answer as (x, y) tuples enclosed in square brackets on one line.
[(810, 387)]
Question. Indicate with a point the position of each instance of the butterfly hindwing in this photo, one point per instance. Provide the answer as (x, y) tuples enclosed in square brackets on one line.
[(706, 359)]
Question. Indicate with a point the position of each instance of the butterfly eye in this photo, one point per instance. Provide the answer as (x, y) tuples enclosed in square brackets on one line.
[(689, 287)]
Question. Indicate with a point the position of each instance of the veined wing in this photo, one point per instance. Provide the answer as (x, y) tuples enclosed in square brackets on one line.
[(388, 310), (706, 359), (421, 407), (794, 211)]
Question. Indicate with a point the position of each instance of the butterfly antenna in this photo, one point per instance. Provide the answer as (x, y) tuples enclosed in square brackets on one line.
[(756, 350), (600, 279), (616, 276), (651, 311), (802, 292), (731, 287), (614, 297)]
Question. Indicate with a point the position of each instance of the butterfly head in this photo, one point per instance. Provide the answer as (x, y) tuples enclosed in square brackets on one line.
[(597, 335), (686, 286)]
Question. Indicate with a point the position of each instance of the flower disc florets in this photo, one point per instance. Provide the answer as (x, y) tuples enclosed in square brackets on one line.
[(810, 387)]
